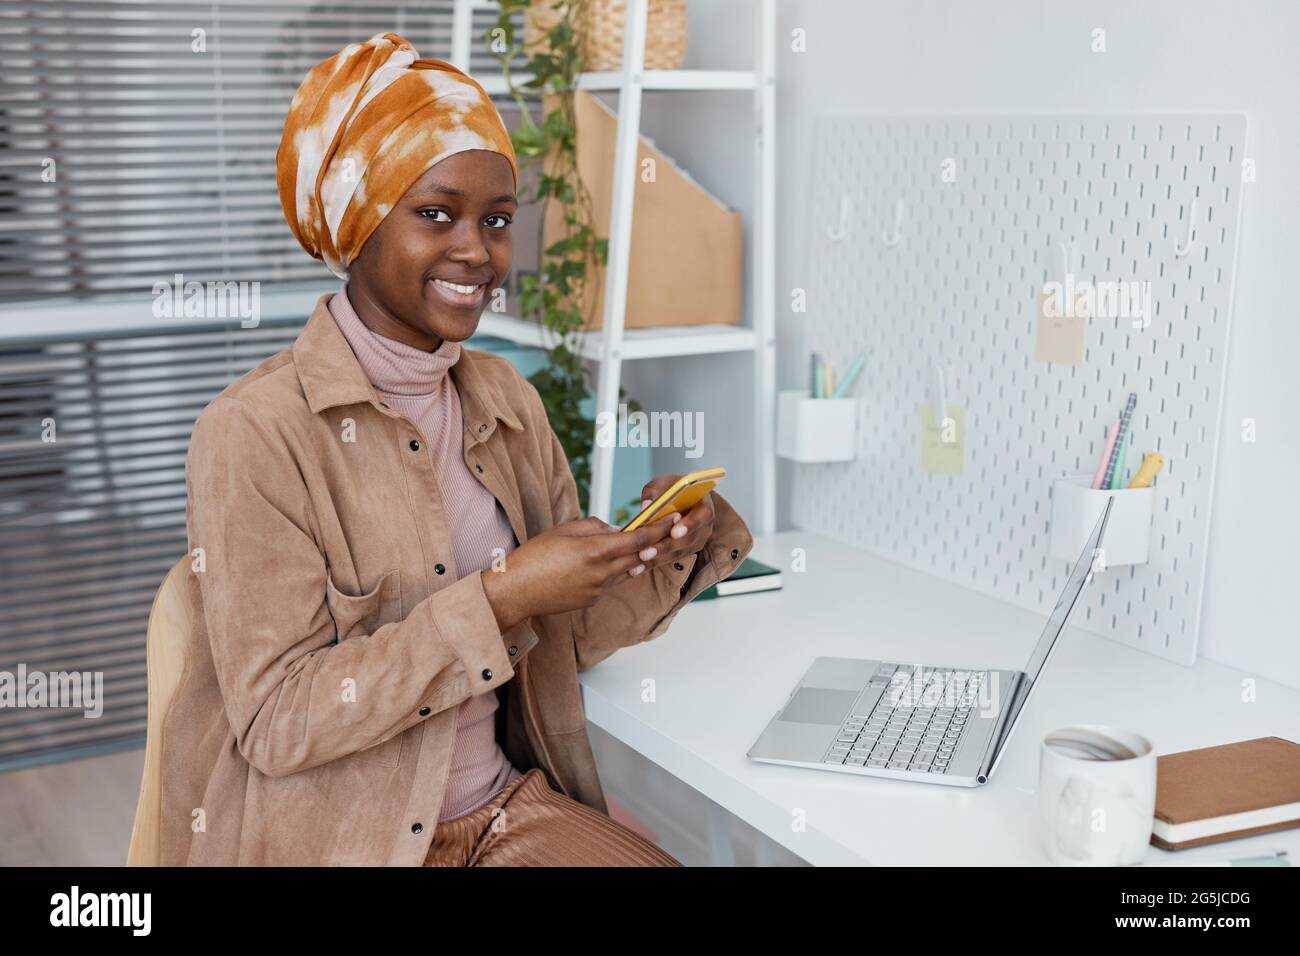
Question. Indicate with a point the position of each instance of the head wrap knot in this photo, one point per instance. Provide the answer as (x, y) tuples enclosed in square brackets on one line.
[(362, 128)]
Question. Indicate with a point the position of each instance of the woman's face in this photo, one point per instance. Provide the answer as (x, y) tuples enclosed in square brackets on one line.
[(452, 226)]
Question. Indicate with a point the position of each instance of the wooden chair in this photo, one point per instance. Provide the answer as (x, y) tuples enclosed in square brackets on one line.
[(167, 646)]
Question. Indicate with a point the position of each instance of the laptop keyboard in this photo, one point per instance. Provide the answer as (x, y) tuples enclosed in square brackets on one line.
[(916, 724)]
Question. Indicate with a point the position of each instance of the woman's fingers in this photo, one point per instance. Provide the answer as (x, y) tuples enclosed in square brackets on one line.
[(694, 527), (587, 526), (627, 564), (632, 552), (656, 486), (620, 543)]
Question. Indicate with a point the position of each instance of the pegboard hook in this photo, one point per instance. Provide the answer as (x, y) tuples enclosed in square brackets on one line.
[(1181, 249), (1066, 256), (840, 232), (939, 393), (893, 239)]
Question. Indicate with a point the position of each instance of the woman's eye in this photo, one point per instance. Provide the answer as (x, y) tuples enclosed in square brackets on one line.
[(431, 213)]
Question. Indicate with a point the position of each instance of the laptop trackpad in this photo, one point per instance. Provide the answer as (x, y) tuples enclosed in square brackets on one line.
[(819, 705)]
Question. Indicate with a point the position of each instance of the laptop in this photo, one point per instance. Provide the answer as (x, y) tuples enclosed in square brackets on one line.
[(943, 725)]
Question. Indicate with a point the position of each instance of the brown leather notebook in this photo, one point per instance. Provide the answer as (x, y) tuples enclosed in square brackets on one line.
[(1221, 793)]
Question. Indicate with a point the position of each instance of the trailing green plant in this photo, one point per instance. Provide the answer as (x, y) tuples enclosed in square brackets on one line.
[(556, 298)]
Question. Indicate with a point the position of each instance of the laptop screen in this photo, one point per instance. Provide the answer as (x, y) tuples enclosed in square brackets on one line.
[(1051, 632), (1069, 595)]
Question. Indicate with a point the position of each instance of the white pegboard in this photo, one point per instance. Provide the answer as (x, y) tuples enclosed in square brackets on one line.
[(960, 287)]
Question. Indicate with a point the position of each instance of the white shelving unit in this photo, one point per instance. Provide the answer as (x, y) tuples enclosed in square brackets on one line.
[(611, 345), (637, 343)]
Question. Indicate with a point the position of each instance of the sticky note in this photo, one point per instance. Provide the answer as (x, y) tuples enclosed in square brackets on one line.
[(943, 447), (1060, 337)]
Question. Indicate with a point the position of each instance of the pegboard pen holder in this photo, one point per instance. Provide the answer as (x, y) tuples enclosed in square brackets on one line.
[(816, 429), (1076, 506)]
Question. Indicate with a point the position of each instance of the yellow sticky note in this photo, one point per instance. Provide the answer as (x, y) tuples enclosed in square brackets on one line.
[(1060, 336), (943, 446)]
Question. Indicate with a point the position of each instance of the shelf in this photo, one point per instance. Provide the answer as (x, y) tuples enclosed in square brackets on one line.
[(637, 343), (611, 80), (759, 338)]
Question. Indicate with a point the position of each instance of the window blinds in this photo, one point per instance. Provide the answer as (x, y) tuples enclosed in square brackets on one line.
[(93, 436), (138, 139), (126, 157)]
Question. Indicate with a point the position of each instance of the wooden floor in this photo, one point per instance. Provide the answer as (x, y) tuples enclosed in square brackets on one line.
[(77, 813)]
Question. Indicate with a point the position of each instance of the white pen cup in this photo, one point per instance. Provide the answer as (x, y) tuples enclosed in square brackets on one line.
[(1097, 795)]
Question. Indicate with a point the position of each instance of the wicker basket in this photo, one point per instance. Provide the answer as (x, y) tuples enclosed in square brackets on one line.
[(600, 36)]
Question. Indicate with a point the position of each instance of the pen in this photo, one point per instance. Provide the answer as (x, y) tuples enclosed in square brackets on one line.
[(1147, 472), (1272, 858), (849, 376), (1105, 454), (1117, 479), (1124, 419)]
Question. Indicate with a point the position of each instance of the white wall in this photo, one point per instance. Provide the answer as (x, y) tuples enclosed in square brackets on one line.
[(1032, 56)]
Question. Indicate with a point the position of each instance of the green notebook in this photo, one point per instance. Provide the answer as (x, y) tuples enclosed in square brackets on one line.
[(751, 576)]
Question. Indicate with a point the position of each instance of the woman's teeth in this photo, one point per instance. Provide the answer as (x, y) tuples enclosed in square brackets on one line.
[(453, 293), (462, 289)]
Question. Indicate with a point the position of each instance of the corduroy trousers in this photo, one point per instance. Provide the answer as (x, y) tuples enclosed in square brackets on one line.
[(529, 824)]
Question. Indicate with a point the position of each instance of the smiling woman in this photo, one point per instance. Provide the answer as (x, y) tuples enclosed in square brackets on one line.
[(394, 586), (399, 173), (424, 274)]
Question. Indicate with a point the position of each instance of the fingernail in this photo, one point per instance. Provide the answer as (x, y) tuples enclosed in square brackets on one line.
[(679, 531), (637, 570), (648, 553), (645, 503), (677, 516)]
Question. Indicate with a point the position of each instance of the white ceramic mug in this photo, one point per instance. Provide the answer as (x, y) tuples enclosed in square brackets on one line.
[(1097, 795)]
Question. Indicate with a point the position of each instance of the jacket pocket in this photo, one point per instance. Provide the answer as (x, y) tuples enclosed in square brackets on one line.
[(356, 615)]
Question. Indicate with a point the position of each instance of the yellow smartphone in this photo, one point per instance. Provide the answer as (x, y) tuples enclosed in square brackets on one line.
[(686, 493)]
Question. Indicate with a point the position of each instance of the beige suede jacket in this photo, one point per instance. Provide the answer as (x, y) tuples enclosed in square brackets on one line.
[(315, 721)]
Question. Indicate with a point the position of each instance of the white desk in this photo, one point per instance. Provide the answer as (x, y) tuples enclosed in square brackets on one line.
[(726, 666)]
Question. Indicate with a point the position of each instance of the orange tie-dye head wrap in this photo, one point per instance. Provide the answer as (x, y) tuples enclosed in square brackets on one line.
[(362, 128)]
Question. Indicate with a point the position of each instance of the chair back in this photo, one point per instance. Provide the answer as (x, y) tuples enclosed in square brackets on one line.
[(167, 647)]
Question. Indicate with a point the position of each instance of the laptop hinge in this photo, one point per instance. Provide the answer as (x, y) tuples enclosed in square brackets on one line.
[(1006, 720)]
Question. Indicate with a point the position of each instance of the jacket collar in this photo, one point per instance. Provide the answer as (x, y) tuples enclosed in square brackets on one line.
[(331, 375)]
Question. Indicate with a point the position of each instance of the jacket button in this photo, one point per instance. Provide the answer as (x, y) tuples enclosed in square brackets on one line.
[(417, 827), (480, 469), (679, 566), (487, 674), (482, 428), (424, 711), (514, 649), (439, 569), (735, 553), (415, 445)]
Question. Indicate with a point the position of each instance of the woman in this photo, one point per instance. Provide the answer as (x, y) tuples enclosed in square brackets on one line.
[(393, 584)]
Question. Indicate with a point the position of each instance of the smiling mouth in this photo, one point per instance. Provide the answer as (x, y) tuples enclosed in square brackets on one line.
[(457, 294)]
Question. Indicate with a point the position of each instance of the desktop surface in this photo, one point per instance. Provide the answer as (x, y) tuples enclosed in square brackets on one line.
[(727, 666)]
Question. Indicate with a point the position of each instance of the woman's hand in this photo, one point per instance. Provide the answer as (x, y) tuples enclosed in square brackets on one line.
[(568, 567), (689, 531)]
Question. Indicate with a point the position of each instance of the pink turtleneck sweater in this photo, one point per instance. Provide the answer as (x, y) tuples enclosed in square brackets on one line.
[(418, 384)]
